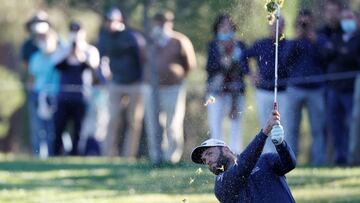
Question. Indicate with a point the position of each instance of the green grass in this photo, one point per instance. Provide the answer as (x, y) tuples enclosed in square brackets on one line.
[(27, 180)]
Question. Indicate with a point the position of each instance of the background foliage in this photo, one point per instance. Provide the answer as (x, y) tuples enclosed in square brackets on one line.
[(194, 18)]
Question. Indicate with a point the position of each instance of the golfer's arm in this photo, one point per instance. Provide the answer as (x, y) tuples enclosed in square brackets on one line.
[(247, 159), (228, 183), (286, 161)]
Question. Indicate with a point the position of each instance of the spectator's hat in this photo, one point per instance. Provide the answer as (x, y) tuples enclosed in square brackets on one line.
[(74, 26), (197, 152), (114, 14)]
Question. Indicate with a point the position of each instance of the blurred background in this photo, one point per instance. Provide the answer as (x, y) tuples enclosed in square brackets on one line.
[(192, 18)]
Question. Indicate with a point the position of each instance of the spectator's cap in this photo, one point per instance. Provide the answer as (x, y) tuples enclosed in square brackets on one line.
[(114, 14), (164, 16), (39, 17), (74, 26), (197, 152)]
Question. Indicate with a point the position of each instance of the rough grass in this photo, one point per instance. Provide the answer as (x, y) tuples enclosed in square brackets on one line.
[(26, 180)]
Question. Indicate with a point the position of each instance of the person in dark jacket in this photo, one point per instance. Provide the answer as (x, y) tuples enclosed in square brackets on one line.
[(330, 31), (343, 57), (305, 64), (250, 176), (226, 67), (122, 47), (263, 51)]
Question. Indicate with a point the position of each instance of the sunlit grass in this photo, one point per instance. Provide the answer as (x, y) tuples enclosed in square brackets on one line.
[(27, 180)]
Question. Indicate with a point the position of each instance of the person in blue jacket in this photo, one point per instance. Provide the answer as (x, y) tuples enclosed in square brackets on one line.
[(250, 176), (226, 67)]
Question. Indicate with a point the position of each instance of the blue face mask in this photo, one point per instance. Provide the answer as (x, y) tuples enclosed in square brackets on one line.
[(348, 26), (225, 36)]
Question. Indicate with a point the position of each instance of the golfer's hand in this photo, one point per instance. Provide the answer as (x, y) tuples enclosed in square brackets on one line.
[(277, 134), (274, 119)]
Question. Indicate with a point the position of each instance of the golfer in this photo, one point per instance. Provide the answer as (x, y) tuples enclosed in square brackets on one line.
[(250, 176)]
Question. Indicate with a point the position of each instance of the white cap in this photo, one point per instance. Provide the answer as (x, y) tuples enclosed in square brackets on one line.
[(197, 152)]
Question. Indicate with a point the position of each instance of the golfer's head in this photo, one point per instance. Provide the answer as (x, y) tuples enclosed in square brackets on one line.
[(214, 153)]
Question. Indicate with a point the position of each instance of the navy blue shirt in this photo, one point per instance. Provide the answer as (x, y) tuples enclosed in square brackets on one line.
[(264, 52), (123, 51), (256, 177), (303, 60), (71, 81), (232, 76), (343, 56)]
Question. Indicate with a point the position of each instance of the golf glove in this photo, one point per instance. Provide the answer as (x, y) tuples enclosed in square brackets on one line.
[(277, 134)]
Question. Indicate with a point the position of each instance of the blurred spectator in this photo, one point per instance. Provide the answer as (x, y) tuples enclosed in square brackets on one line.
[(304, 60), (37, 26), (121, 47), (174, 57), (330, 31), (354, 158), (42, 94), (263, 50), (342, 53), (78, 56), (226, 68)]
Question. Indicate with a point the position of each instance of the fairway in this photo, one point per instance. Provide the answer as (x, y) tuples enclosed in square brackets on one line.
[(27, 180)]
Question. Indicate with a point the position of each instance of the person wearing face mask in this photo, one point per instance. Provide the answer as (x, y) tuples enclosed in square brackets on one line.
[(78, 57), (38, 25), (343, 57), (174, 59), (43, 92), (121, 49), (226, 67), (263, 50)]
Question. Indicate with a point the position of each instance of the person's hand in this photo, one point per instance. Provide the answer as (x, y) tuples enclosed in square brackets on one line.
[(274, 119), (277, 134), (80, 55)]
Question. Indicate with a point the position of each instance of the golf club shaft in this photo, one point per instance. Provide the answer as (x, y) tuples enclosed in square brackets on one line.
[(277, 16)]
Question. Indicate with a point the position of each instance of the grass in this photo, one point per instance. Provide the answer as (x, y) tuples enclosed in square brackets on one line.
[(27, 180)]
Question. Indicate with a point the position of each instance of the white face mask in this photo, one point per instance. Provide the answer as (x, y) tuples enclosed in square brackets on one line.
[(157, 32), (160, 35)]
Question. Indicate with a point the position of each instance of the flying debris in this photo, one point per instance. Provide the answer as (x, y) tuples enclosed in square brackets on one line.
[(210, 100), (199, 171), (222, 168), (191, 181)]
